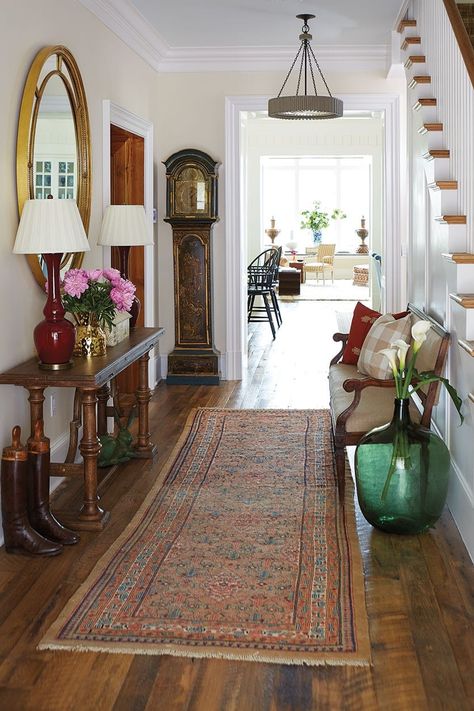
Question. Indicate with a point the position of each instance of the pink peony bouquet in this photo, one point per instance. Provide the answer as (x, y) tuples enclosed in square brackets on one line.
[(100, 292)]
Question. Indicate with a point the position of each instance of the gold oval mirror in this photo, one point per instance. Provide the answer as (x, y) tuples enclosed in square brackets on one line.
[(53, 146)]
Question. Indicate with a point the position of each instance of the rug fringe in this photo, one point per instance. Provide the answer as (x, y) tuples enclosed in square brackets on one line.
[(207, 654)]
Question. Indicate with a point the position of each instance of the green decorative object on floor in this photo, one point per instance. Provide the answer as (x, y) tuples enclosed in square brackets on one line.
[(402, 468), (118, 449), (402, 472)]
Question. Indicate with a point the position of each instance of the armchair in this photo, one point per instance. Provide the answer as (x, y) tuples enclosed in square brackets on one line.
[(320, 262)]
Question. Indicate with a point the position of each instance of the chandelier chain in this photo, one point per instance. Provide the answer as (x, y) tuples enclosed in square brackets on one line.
[(319, 70), (312, 73), (299, 73), (291, 69)]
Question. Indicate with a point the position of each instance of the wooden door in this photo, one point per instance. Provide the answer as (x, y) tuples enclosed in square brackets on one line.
[(127, 185)]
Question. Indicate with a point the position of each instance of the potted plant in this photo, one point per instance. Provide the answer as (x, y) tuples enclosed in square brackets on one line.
[(93, 297), (402, 468), (316, 220)]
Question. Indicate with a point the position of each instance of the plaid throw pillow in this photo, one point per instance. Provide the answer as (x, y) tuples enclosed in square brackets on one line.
[(385, 331)]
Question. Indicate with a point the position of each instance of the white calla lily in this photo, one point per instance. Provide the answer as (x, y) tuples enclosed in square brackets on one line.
[(418, 332), (391, 354), (402, 351)]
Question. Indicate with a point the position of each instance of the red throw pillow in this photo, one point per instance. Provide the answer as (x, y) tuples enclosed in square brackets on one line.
[(362, 320), (361, 323)]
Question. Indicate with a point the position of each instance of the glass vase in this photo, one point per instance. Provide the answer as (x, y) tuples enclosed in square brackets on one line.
[(90, 337), (402, 472)]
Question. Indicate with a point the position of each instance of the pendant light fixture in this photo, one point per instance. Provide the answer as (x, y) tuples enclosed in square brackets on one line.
[(305, 105)]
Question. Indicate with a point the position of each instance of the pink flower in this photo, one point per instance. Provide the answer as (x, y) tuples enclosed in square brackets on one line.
[(112, 275), (95, 274), (122, 294), (75, 282)]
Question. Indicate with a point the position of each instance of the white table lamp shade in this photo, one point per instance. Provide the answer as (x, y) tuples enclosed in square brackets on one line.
[(50, 227), (125, 226)]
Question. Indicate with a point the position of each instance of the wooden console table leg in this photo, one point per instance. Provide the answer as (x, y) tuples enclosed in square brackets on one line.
[(91, 516), (36, 400), (103, 395), (143, 448)]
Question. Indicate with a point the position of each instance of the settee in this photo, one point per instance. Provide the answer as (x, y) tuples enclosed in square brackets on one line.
[(359, 403)]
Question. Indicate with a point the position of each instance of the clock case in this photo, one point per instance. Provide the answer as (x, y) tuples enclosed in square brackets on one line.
[(194, 359)]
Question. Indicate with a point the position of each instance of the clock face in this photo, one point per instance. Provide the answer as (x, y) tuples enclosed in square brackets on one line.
[(191, 192)]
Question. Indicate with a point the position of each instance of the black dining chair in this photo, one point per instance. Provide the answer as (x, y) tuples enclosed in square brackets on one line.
[(262, 276)]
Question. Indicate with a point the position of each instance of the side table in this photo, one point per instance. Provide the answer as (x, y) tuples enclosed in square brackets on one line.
[(90, 376), (300, 267)]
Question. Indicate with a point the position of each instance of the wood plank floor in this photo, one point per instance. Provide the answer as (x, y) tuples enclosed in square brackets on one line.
[(419, 589)]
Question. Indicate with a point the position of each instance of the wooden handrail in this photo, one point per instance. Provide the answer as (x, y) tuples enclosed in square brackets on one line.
[(462, 37)]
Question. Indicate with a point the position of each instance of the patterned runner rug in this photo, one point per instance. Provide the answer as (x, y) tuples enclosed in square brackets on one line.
[(241, 550)]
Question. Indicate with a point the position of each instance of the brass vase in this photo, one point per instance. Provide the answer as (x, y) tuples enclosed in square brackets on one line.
[(90, 338)]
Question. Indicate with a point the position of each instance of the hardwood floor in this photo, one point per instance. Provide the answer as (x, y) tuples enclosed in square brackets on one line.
[(419, 589)]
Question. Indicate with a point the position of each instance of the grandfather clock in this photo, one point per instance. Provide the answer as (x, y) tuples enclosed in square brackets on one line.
[(191, 204)]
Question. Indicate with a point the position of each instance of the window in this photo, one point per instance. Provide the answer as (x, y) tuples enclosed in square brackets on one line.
[(291, 185), (56, 178)]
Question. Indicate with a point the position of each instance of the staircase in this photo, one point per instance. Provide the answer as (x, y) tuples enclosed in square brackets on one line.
[(442, 184), (438, 56)]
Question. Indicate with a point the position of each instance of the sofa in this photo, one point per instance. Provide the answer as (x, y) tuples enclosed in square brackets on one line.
[(359, 403)]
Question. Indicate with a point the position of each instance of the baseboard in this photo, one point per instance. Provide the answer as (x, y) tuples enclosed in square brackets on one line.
[(460, 502), (461, 505)]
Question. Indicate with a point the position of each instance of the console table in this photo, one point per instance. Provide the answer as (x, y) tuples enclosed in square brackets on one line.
[(91, 377)]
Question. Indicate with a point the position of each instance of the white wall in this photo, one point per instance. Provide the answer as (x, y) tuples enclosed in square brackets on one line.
[(109, 70), (348, 136), (189, 111)]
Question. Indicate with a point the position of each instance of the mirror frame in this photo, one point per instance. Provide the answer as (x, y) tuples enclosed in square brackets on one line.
[(32, 95)]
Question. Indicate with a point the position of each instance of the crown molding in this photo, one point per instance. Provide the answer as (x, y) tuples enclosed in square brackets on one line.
[(132, 28)]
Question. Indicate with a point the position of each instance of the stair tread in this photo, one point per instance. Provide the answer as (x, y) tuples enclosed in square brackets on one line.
[(414, 59), (408, 41), (467, 346), (452, 219), (430, 127), (460, 257), (444, 185), (436, 153), (464, 300), (420, 79), (406, 23)]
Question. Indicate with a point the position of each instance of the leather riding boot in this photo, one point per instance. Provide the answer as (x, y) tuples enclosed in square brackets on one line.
[(39, 513), (20, 537)]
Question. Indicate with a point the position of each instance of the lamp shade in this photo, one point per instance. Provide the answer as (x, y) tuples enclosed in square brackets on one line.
[(50, 227), (124, 226)]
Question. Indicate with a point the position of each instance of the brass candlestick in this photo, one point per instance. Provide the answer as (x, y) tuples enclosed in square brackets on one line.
[(272, 231), (363, 234)]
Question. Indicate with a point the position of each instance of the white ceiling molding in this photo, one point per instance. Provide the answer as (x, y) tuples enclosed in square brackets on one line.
[(132, 28), (337, 58)]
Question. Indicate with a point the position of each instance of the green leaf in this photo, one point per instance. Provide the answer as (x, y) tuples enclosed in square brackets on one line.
[(430, 377)]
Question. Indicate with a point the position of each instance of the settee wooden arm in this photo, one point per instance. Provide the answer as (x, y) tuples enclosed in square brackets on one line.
[(358, 384), (339, 337)]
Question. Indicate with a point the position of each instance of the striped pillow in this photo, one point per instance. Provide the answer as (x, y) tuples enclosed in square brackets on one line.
[(385, 331)]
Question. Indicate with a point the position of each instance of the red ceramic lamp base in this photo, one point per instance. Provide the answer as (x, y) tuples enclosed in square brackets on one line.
[(55, 336), (124, 254)]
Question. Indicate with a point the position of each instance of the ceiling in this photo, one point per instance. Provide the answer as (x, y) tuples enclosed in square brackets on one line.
[(269, 23), (249, 35)]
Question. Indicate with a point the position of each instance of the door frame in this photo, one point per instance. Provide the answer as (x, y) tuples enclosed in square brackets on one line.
[(113, 114), (235, 236)]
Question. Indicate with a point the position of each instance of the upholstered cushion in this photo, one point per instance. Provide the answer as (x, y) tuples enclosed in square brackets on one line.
[(361, 323), (376, 403), (384, 331)]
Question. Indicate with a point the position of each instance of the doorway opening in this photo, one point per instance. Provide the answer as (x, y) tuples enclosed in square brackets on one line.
[(243, 190)]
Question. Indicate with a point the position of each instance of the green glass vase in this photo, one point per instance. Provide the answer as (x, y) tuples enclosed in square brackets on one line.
[(402, 472)]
